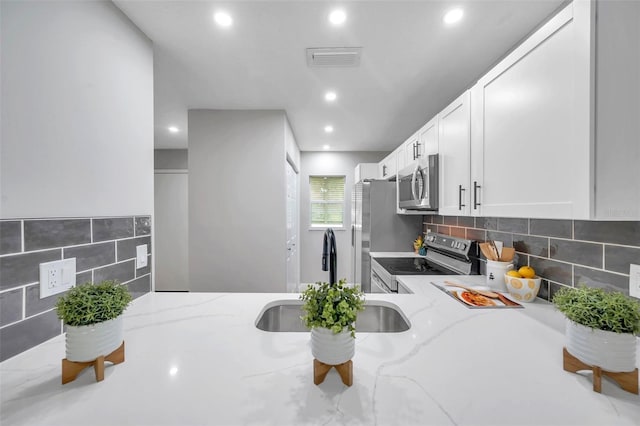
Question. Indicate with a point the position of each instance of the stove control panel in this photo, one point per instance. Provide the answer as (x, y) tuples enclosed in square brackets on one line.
[(449, 244)]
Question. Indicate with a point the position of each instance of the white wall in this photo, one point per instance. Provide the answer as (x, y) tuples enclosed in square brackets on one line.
[(77, 111), (237, 201), (327, 163)]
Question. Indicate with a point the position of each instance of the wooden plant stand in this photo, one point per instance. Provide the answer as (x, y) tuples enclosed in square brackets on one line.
[(320, 371), (627, 380), (71, 369)]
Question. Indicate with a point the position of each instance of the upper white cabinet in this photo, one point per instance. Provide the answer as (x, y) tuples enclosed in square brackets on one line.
[(454, 162), (411, 150), (388, 166), (555, 130), (428, 138), (530, 146)]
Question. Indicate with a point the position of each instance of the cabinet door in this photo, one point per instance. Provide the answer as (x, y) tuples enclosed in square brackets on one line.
[(530, 126), (387, 167), (428, 138), (453, 141), (411, 150)]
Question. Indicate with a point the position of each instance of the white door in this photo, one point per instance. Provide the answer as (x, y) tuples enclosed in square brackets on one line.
[(171, 231), (293, 262)]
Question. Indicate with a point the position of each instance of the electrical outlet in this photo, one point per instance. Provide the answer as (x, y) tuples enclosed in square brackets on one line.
[(57, 277), (141, 256), (634, 280)]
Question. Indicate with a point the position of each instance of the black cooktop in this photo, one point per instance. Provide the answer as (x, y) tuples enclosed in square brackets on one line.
[(412, 266)]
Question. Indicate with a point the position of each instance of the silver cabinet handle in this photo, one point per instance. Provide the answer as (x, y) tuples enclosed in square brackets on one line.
[(475, 195)]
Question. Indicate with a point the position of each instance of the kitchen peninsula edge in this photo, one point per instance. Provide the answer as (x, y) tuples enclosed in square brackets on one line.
[(198, 359)]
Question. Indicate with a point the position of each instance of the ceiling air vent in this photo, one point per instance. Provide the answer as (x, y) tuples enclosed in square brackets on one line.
[(334, 56)]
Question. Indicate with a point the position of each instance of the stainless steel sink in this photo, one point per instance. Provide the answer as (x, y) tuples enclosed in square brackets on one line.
[(378, 317)]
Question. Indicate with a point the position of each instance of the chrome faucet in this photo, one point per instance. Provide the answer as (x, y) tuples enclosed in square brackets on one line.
[(330, 255)]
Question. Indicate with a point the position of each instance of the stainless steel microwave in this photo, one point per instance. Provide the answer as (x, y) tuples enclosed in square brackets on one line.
[(418, 185)]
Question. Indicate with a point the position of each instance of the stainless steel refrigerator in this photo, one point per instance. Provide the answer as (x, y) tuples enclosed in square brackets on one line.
[(375, 227)]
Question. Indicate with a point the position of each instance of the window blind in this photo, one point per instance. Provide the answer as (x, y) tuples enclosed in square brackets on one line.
[(327, 200)]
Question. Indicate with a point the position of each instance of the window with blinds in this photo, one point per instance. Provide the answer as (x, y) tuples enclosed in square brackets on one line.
[(327, 200)]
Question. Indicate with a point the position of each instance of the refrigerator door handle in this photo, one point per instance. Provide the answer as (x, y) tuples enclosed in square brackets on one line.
[(353, 238)]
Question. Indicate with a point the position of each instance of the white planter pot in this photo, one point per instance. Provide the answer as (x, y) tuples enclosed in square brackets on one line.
[(614, 352), (332, 349), (88, 342)]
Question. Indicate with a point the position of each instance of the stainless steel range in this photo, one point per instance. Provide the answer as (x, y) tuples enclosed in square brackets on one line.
[(445, 256)]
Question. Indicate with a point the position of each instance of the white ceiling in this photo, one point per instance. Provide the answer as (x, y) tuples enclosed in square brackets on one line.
[(412, 64)]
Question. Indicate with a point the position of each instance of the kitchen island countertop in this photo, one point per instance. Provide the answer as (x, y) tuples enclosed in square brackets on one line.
[(198, 359)]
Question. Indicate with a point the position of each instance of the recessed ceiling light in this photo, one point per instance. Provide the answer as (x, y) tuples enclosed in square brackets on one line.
[(173, 129), (328, 129), (330, 96), (453, 16), (326, 147), (223, 19), (337, 17)]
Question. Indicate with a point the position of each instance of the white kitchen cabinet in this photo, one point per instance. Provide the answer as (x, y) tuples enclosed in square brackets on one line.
[(454, 160), (387, 167), (555, 124), (530, 145), (412, 150), (428, 138)]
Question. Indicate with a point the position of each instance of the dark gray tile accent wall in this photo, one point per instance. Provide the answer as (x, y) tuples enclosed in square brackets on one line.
[(112, 228), (25, 319), (10, 236), (563, 252), (23, 335), (19, 269), (43, 234)]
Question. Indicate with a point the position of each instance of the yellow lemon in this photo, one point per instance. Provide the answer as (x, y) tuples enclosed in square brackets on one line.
[(514, 274), (527, 272)]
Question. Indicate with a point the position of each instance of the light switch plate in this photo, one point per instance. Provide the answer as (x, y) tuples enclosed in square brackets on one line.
[(57, 277), (634, 280), (141, 256)]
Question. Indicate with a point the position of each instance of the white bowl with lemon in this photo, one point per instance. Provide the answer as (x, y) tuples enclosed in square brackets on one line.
[(523, 285)]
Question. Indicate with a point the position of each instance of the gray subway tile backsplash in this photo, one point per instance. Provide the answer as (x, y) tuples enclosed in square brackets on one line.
[(127, 248), (121, 272), (143, 225), (618, 258), (578, 252), (25, 319), (19, 337), (563, 252), (10, 306), (623, 233), (597, 278), (93, 255), (551, 228), (450, 220), (24, 268), (112, 228), (49, 233), (34, 305), (515, 225), (10, 236), (537, 246)]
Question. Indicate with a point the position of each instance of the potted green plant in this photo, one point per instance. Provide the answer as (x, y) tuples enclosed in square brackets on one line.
[(601, 327), (92, 314), (330, 311)]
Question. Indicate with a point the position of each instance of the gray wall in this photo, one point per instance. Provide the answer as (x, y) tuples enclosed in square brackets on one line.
[(77, 112), (176, 159), (77, 142), (237, 201), (327, 163)]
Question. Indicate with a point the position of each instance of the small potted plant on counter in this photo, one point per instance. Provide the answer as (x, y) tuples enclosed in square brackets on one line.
[(601, 328), (92, 314), (330, 311)]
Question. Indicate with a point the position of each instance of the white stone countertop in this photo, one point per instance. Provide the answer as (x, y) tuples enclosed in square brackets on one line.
[(198, 359)]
